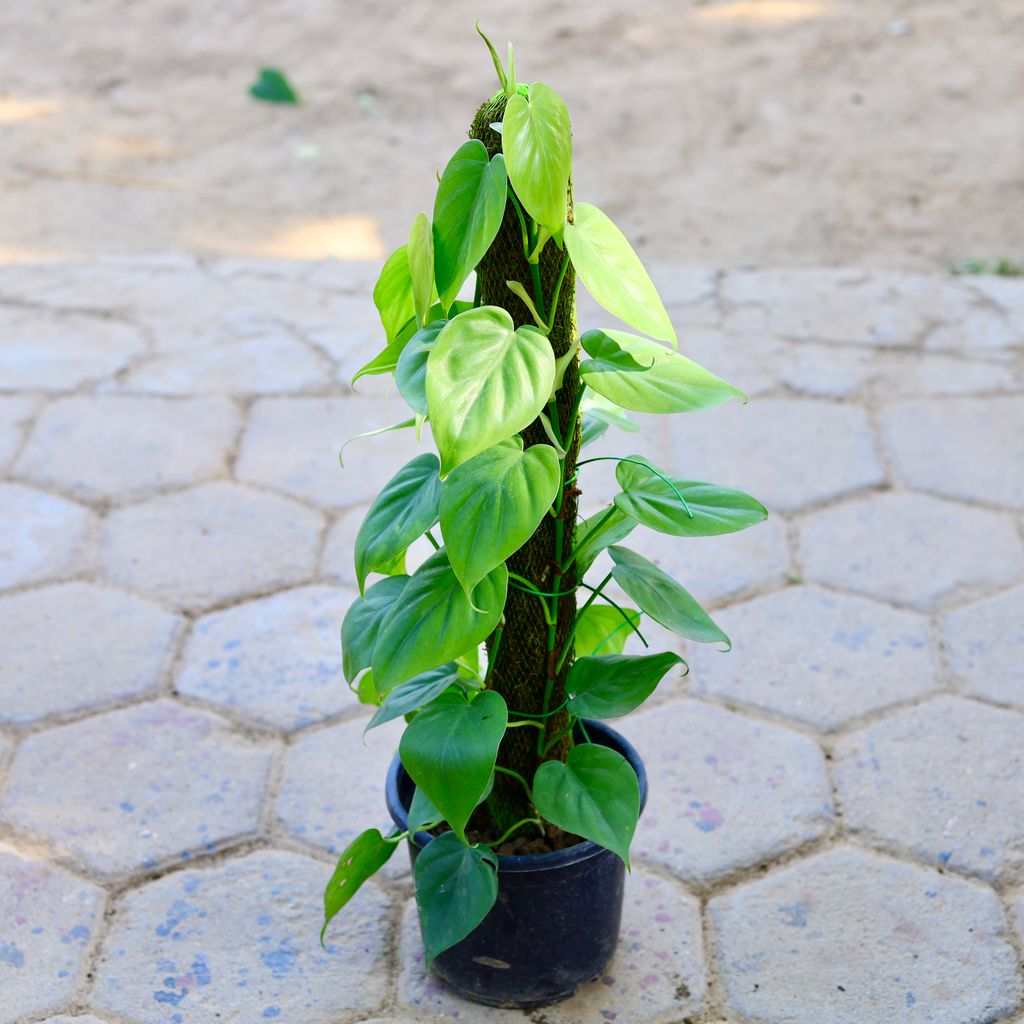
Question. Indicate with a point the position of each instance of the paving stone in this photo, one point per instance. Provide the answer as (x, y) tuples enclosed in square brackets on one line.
[(138, 787), (75, 646), (270, 361), (292, 445), (725, 791), (41, 536), (971, 448), (333, 786), (657, 972), (911, 548), (818, 657), (749, 362), (238, 942), (56, 353), (15, 413), (120, 447), (49, 918), (276, 659), (786, 452), (983, 332), (943, 782), (85, 1019), (1007, 295), (212, 543), (985, 647), (337, 561), (851, 938)]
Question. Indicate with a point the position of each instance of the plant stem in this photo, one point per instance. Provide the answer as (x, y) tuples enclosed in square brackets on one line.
[(512, 828), (516, 775)]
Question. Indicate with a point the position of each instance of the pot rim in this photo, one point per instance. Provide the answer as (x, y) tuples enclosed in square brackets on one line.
[(600, 733)]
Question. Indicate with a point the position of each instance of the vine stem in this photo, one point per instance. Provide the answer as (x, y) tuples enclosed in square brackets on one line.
[(637, 462), (517, 825), (590, 600), (515, 775)]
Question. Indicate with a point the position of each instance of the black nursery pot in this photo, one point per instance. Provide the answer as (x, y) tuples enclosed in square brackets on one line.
[(556, 922)]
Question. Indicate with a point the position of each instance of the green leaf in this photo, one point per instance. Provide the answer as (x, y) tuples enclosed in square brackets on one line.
[(649, 500), (422, 813), (591, 429), (594, 794), (612, 272), (537, 144), (404, 425), (612, 685), (593, 535), (392, 294), (414, 694), (662, 598), (363, 621), (273, 86), (421, 266), (492, 504), (403, 511), (456, 886), (502, 77), (363, 857), (449, 750), (485, 382), (411, 369), (600, 408), (366, 691), (468, 211), (600, 629), (663, 381), (435, 621)]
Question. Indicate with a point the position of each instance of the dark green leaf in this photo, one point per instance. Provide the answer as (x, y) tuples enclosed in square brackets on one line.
[(363, 857), (422, 813), (600, 629), (414, 694), (363, 622), (392, 294), (612, 685), (421, 266), (593, 535), (273, 86)]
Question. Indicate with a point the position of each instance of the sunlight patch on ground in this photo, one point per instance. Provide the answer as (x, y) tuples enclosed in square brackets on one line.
[(765, 12), (346, 237)]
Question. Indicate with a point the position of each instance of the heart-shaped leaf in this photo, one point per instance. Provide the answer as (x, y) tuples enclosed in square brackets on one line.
[(594, 794), (593, 535), (537, 143), (612, 685), (415, 694), (421, 267), (613, 274), (273, 86), (392, 294), (449, 750), (468, 211), (485, 382), (639, 374), (363, 857), (411, 369), (662, 598), (600, 629), (456, 886), (363, 621), (492, 504), (403, 511), (435, 621)]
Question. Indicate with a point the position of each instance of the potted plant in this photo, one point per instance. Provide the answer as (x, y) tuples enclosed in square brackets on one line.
[(518, 804)]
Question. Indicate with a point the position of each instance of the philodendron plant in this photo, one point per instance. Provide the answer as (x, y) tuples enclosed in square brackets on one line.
[(496, 740)]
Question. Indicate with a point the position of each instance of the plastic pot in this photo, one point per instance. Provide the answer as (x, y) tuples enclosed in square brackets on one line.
[(556, 922)]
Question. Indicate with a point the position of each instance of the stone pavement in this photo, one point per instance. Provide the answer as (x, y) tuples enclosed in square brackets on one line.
[(836, 827)]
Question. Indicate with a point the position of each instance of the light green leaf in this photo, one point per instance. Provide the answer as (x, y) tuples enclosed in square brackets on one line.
[(612, 272), (415, 694), (365, 690), (537, 143), (363, 857), (492, 504), (435, 621), (594, 794), (403, 511), (593, 535), (411, 367), (600, 629), (662, 598), (362, 623), (468, 211), (404, 425), (612, 685), (485, 382), (649, 500), (502, 77), (449, 750), (638, 374), (421, 267), (600, 408), (456, 886), (392, 294), (591, 429)]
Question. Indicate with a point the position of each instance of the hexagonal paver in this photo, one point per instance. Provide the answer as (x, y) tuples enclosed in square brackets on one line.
[(943, 782), (48, 921), (277, 658), (210, 544), (911, 548), (41, 536), (55, 352), (786, 452), (657, 972), (138, 787), (86, 1019), (292, 445), (970, 448), (851, 938), (726, 791), (333, 785), (818, 657), (75, 645), (15, 413), (118, 447), (985, 646), (238, 942)]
